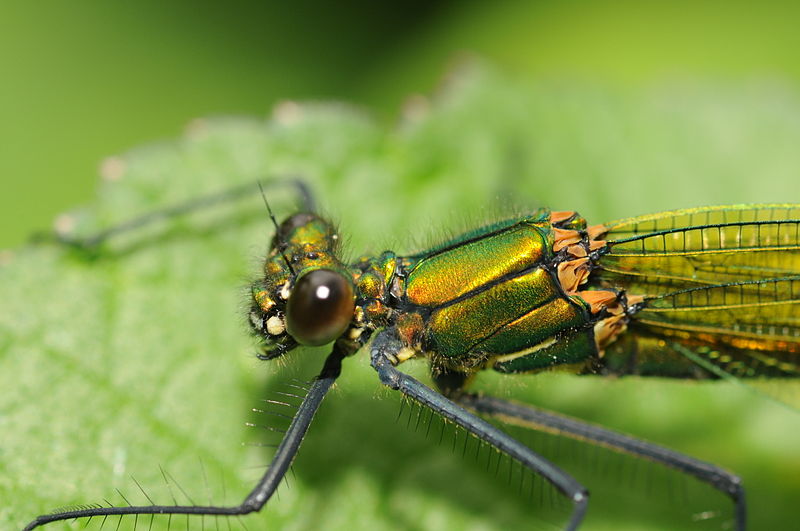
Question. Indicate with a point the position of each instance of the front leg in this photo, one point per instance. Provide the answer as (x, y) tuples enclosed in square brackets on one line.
[(230, 195), (384, 355), (263, 490)]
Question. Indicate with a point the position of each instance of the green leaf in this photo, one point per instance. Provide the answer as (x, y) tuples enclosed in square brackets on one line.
[(139, 357)]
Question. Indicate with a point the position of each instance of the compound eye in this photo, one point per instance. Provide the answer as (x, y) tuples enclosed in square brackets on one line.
[(320, 307)]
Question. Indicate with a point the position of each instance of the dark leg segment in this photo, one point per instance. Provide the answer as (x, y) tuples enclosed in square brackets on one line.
[(284, 455), (384, 348), (181, 209), (534, 418)]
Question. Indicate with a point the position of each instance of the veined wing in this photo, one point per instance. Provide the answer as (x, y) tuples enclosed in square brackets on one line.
[(726, 278)]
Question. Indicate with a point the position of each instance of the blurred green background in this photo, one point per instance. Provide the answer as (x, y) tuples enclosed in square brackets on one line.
[(666, 106), (81, 81)]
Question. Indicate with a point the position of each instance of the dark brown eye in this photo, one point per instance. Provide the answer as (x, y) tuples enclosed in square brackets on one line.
[(320, 307)]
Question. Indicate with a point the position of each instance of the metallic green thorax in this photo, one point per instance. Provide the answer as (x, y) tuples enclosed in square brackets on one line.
[(493, 299)]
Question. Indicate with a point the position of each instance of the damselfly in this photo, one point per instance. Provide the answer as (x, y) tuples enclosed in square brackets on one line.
[(704, 293)]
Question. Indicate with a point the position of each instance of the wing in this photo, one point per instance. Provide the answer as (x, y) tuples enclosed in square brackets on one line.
[(723, 281)]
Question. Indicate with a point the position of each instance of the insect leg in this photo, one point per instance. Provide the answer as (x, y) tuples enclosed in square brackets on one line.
[(535, 418), (180, 209), (266, 486), (382, 356)]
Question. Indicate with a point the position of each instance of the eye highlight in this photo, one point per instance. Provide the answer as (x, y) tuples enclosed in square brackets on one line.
[(320, 307)]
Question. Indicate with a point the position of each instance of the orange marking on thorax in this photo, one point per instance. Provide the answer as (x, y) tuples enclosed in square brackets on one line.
[(599, 299), (564, 238), (561, 215), (573, 273), (595, 231), (575, 270)]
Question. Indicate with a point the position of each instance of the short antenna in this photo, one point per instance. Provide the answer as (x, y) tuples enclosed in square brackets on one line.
[(277, 228)]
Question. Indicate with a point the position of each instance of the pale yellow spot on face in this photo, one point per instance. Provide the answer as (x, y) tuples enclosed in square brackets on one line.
[(285, 291), (275, 326), (359, 315)]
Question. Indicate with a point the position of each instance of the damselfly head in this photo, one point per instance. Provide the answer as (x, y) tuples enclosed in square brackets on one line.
[(306, 296)]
